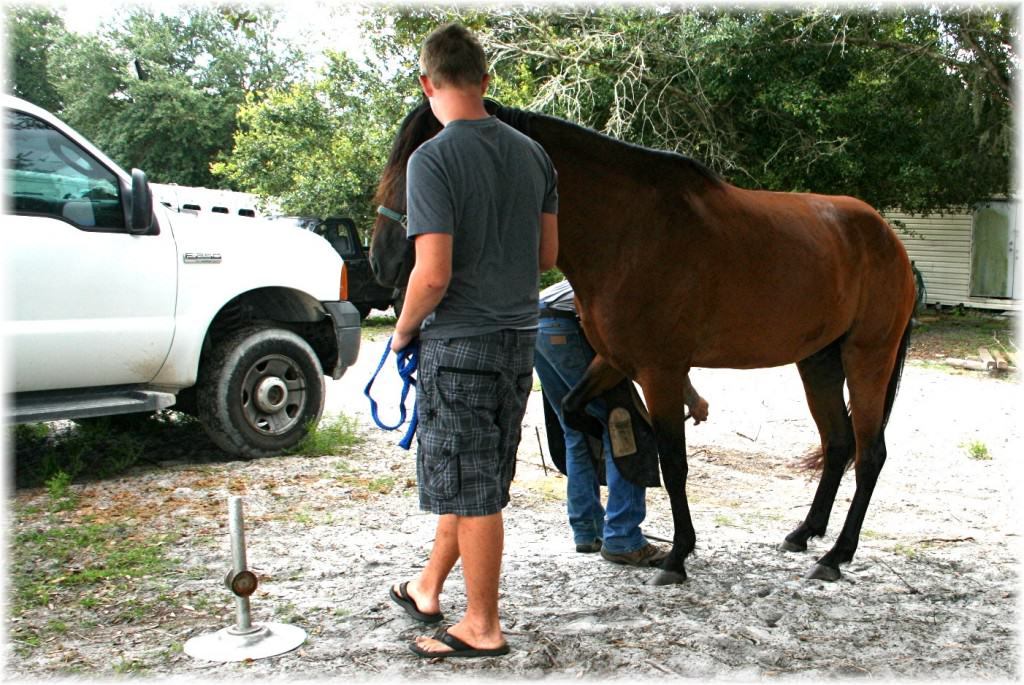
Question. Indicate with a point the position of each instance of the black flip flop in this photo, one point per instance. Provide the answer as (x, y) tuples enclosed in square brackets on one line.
[(458, 648), (404, 600)]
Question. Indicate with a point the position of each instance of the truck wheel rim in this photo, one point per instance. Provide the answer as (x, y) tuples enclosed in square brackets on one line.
[(274, 394)]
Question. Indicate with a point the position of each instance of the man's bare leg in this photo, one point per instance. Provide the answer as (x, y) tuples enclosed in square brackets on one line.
[(425, 589), (481, 540)]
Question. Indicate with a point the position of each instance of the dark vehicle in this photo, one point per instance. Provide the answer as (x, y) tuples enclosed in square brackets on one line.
[(363, 289)]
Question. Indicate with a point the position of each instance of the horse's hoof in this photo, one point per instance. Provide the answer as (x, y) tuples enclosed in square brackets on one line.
[(667, 578), (820, 572), (788, 546)]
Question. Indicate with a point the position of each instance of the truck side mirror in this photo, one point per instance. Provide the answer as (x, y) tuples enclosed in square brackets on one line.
[(140, 215)]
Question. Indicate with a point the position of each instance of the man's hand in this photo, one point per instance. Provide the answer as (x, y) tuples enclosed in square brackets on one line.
[(399, 341), (699, 411), (428, 284)]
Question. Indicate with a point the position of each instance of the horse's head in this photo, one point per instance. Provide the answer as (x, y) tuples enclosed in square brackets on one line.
[(391, 253)]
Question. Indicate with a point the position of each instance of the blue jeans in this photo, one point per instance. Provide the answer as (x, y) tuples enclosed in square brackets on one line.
[(563, 355)]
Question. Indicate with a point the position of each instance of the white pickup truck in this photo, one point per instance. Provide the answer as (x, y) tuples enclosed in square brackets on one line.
[(118, 305)]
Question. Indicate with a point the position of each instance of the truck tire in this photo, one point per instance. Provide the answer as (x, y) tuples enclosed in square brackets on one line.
[(260, 391)]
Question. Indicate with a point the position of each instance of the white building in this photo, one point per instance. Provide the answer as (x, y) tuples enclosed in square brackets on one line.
[(967, 258)]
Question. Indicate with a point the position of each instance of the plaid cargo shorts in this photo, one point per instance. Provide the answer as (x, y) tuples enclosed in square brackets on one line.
[(472, 395)]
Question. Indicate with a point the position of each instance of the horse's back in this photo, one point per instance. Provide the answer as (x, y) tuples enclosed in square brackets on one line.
[(788, 273)]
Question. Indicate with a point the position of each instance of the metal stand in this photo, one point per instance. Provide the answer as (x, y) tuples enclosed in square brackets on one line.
[(243, 641)]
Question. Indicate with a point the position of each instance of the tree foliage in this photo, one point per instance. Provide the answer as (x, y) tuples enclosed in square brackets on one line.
[(318, 147), (907, 107), (32, 36), (903, 108), (160, 91)]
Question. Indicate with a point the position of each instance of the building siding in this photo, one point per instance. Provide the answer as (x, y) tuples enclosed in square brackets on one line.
[(940, 247)]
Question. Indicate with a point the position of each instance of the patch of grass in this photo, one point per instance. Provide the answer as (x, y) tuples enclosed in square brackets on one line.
[(56, 558), (103, 447), (172, 650), (130, 667), (57, 626), (723, 520), (288, 612), (30, 432), (380, 322), (27, 511), (960, 333), (30, 640), (107, 446), (906, 550), (334, 435), (977, 450), (197, 572), (382, 485), (62, 497), (378, 328), (363, 486), (131, 611)]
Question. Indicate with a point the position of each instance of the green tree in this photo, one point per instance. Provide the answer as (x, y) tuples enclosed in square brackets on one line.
[(397, 35), (317, 148), (906, 108), (32, 36), (903, 108), (161, 91)]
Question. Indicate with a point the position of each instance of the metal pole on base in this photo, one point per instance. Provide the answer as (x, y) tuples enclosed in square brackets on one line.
[(243, 641)]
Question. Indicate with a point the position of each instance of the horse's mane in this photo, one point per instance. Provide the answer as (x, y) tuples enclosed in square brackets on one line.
[(418, 125), (421, 124), (524, 121)]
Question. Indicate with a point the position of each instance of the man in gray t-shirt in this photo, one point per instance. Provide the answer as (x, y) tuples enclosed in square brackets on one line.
[(481, 209), (495, 179)]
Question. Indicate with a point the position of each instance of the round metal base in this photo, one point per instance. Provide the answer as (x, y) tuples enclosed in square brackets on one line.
[(264, 640)]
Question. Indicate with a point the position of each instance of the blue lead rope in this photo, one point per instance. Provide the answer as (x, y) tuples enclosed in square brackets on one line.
[(407, 359)]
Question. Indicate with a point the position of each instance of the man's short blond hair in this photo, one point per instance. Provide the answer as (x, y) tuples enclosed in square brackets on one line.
[(452, 55)]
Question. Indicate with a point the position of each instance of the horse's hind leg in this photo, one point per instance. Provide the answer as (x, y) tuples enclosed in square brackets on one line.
[(823, 378), (872, 377)]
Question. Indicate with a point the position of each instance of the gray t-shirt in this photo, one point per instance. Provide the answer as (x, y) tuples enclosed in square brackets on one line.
[(486, 184)]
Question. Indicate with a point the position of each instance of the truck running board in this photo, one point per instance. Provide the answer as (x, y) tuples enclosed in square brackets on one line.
[(32, 407)]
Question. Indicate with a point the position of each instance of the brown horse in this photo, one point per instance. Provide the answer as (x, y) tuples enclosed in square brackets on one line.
[(674, 268)]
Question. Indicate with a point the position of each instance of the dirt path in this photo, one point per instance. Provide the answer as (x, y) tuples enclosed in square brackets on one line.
[(933, 592)]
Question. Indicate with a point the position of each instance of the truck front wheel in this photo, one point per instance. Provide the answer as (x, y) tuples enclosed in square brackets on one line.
[(260, 391)]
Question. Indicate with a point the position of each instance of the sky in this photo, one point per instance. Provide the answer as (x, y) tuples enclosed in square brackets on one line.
[(317, 24)]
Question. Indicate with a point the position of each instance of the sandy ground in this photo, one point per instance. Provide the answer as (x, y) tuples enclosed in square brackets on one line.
[(933, 592)]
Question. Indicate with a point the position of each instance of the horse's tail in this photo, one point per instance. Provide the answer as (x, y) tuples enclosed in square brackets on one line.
[(897, 372), (814, 460)]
